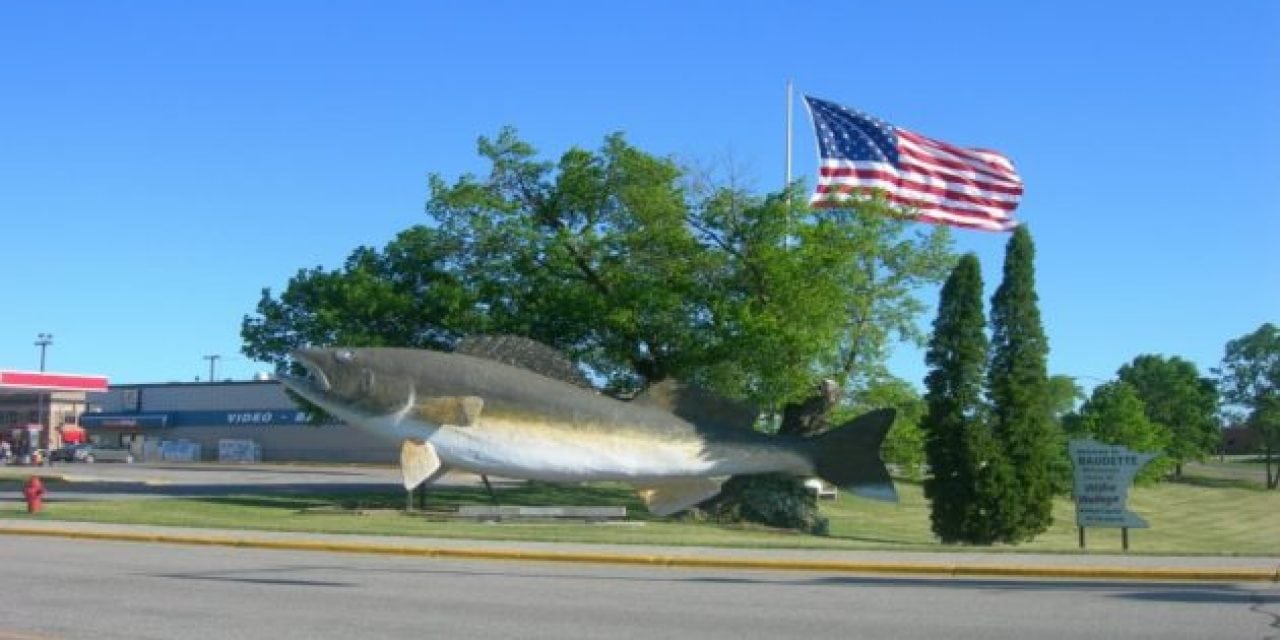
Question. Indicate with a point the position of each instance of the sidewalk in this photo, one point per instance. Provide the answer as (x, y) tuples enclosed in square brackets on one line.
[(958, 564)]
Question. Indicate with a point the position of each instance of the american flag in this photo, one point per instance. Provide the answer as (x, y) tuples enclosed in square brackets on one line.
[(931, 180)]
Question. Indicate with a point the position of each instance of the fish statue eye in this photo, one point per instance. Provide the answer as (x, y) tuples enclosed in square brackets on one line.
[(345, 355)]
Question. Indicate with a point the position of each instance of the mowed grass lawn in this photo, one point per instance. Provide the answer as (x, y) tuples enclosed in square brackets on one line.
[(1215, 511)]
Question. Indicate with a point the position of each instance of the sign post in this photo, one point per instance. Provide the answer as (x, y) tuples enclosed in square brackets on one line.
[(1103, 473)]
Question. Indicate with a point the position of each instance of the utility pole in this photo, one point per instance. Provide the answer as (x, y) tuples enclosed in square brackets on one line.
[(213, 359)]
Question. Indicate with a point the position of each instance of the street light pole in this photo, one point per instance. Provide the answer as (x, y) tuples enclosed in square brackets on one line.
[(213, 359), (43, 340)]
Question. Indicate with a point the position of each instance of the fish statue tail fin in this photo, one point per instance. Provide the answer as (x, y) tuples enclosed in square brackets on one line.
[(848, 456)]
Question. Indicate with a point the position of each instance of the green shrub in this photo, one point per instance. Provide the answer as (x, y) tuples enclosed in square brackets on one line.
[(772, 499)]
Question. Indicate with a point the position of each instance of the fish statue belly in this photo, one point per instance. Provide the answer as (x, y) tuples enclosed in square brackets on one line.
[(577, 455)]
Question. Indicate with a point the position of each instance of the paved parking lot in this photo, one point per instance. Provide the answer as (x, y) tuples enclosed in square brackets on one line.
[(100, 481), (214, 474)]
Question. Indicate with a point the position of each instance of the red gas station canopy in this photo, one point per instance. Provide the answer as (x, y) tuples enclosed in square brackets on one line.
[(40, 381)]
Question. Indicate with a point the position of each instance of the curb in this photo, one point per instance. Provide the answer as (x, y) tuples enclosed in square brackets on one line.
[(45, 477), (829, 566)]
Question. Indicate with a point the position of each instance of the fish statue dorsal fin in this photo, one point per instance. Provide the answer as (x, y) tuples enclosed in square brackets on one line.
[(526, 354), (698, 405)]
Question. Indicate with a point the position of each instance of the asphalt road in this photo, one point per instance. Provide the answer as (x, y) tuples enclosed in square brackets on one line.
[(60, 588)]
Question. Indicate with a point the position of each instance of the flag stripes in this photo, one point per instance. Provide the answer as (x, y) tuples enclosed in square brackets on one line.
[(935, 181)]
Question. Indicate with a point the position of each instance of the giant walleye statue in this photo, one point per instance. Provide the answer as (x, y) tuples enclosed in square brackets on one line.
[(514, 408)]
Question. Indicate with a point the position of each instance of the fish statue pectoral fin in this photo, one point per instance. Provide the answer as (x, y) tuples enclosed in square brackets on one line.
[(418, 463), (668, 497), (455, 411)]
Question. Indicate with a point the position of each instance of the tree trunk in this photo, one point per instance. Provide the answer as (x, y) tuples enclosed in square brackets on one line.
[(1266, 460), (1272, 480)]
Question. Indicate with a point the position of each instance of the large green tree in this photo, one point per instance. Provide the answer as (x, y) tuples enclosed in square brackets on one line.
[(1250, 379), (616, 256), (1116, 414), (405, 294), (1017, 385), (613, 256), (617, 259), (969, 477), (591, 253), (1178, 400)]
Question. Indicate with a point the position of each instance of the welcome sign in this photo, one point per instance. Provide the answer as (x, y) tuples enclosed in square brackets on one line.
[(1103, 473)]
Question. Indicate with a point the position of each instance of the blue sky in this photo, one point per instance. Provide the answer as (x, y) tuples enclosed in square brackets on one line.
[(161, 162)]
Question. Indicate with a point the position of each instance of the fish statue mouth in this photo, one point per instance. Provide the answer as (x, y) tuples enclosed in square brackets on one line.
[(314, 381)]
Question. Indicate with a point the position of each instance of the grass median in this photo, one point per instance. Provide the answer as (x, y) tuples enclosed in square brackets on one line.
[(1214, 511)]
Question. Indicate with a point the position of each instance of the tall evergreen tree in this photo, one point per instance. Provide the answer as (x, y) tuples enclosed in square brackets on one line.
[(968, 473), (1064, 395), (1017, 384)]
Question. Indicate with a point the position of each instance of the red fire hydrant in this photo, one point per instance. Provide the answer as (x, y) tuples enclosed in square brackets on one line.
[(33, 491)]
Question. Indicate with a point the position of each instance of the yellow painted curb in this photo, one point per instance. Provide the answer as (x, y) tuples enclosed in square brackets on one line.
[(830, 566)]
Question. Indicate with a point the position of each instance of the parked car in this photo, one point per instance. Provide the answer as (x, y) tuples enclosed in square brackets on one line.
[(91, 453)]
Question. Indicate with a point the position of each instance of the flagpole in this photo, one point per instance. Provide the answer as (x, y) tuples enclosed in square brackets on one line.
[(790, 101), (786, 186)]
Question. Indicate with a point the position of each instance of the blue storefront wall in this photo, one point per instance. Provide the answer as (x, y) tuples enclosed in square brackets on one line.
[(239, 417), (124, 420), (284, 436), (208, 412)]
